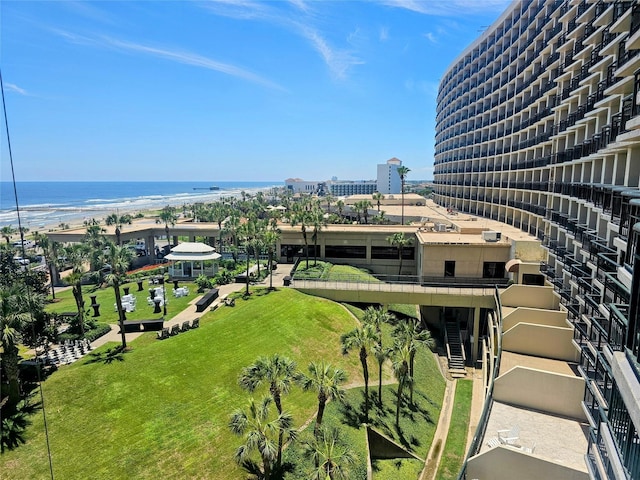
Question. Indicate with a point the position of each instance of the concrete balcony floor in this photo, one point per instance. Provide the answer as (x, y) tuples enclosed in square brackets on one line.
[(559, 440)]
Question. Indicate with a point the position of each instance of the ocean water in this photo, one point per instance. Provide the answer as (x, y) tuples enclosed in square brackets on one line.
[(52, 203)]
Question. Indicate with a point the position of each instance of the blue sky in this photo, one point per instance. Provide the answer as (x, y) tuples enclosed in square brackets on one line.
[(227, 90)]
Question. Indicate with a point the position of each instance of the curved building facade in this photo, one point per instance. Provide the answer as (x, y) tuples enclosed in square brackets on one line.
[(538, 126)]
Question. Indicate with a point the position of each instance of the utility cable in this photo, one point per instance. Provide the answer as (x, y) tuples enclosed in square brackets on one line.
[(24, 255)]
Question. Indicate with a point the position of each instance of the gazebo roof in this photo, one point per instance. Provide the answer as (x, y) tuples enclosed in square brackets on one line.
[(192, 252)]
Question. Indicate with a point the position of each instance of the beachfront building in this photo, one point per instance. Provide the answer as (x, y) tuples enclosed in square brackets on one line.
[(388, 180), (297, 185), (345, 188), (537, 127)]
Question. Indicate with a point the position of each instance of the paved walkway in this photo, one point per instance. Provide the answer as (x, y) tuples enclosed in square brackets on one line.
[(189, 313)]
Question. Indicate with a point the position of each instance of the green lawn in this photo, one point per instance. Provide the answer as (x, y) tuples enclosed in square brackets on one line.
[(454, 450), (161, 410), (328, 271), (106, 298)]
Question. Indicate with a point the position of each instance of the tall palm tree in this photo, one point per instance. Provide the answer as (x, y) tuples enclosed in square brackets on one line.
[(363, 338), (400, 357), (279, 373), (340, 207), (376, 317), (402, 172), (317, 221), (119, 258), (219, 212), (378, 197), (77, 255), (299, 215), (324, 379), (329, 199), (271, 238), (260, 432), (50, 251), (399, 240), (410, 334), (331, 457), (168, 216)]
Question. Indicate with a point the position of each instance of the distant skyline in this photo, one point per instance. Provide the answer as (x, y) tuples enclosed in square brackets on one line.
[(227, 90)]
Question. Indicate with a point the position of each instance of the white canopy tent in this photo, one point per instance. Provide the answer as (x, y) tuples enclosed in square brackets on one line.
[(190, 259)]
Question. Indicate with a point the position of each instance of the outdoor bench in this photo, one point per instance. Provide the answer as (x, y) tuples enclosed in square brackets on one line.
[(206, 300)]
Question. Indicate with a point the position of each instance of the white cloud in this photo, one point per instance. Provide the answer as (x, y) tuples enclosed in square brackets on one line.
[(338, 61), (184, 57), (431, 37), (301, 21), (10, 87)]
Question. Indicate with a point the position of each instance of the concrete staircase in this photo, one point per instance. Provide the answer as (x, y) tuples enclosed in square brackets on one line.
[(455, 350)]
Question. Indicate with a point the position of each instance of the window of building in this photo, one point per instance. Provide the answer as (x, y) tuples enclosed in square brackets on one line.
[(391, 253), (449, 268), (493, 270), (345, 251)]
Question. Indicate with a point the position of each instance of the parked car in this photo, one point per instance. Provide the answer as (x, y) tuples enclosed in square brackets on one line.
[(21, 261)]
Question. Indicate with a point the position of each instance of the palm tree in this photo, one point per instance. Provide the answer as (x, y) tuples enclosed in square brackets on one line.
[(219, 212), (329, 199), (331, 457), (279, 373), (324, 379), (363, 338), (376, 317), (260, 433), (271, 238), (119, 258), (400, 356), (403, 172), (118, 221), (365, 205), (14, 315), (7, 232), (378, 197), (77, 255), (232, 230), (317, 220), (50, 252), (340, 207), (399, 240), (168, 216), (300, 216), (411, 335)]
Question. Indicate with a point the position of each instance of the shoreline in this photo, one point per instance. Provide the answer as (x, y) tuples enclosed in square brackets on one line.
[(75, 217)]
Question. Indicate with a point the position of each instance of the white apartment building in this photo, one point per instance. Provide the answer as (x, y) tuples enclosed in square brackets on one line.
[(538, 126), (388, 180)]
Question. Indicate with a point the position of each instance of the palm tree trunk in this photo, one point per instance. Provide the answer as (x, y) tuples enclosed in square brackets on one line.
[(116, 288), (380, 382), (411, 358), (270, 269), (247, 283), (322, 400), (77, 294), (365, 374), (400, 255), (52, 281), (10, 361), (399, 402)]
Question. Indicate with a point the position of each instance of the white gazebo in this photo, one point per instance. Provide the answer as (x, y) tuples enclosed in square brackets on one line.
[(190, 259)]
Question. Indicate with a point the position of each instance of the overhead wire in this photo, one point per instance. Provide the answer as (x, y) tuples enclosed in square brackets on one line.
[(28, 288)]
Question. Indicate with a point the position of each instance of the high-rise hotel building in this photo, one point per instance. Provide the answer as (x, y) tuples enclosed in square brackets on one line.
[(538, 126)]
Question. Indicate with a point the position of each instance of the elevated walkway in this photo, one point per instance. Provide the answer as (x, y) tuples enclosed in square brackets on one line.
[(389, 292)]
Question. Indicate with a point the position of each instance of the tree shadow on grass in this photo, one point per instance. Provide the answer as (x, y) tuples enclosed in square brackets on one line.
[(115, 354)]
